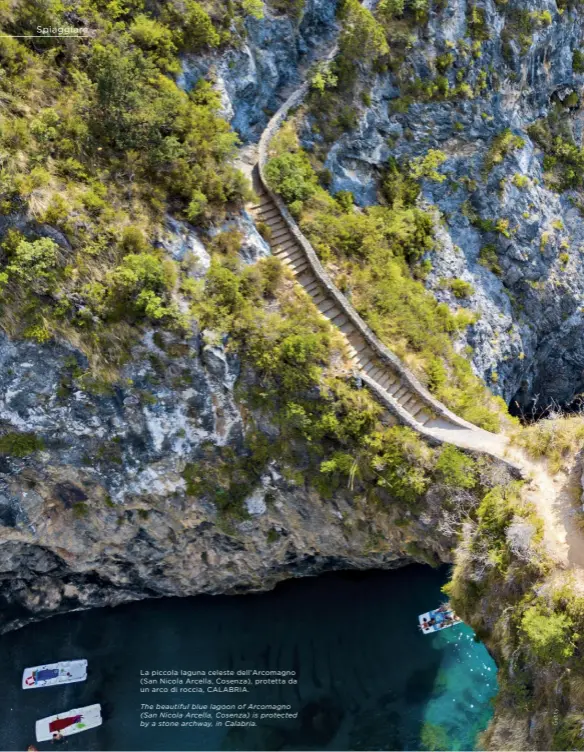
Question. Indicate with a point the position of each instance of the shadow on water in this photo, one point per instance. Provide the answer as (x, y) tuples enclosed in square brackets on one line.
[(367, 677)]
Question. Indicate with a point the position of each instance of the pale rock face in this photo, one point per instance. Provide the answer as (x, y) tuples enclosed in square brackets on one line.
[(254, 78), (528, 341), (181, 242), (255, 503), (253, 246)]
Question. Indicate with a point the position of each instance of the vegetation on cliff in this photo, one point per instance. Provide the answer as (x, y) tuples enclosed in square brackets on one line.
[(509, 588), (329, 431), (98, 142), (377, 257)]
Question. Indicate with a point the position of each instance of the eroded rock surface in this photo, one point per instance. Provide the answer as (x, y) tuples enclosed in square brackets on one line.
[(528, 341), (102, 515)]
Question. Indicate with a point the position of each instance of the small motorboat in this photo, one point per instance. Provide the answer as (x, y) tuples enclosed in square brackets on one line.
[(68, 723), (439, 619), (65, 672)]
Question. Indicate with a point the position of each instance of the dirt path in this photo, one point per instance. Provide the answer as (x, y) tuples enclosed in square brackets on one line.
[(557, 500)]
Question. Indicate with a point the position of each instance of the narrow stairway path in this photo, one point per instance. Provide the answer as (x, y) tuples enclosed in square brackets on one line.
[(554, 497), (406, 400)]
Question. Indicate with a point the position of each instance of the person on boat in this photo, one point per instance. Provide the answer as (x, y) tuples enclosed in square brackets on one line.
[(58, 737), (31, 748), (425, 624)]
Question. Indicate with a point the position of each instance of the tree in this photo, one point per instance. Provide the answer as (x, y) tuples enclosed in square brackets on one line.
[(362, 38), (194, 29), (291, 175), (456, 468), (34, 264), (548, 633)]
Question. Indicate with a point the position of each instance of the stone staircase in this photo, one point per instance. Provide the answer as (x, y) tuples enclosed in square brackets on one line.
[(285, 247), (406, 400)]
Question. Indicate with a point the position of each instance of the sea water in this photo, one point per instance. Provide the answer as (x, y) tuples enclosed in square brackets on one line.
[(367, 678)]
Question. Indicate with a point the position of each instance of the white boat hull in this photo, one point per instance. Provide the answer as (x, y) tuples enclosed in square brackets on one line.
[(441, 618), (51, 674), (68, 723)]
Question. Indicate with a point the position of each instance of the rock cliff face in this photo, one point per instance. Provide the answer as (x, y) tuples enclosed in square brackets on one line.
[(254, 77), (527, 343), (102, 515)]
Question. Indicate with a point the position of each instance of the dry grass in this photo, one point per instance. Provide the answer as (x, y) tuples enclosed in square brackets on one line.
[(556, 438)]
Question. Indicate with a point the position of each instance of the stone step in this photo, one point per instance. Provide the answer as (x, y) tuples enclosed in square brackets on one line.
[(291, 255), (416, 410), (268, 213), (326, 305), (400, 393), (376, 373), (298, 265), (341, 319), (276, 227), (306, 278), (332, 313), (263, 200), (386, 379), (279, 235), (279, 229), (286, 245), (358, 342), (409, 403), (395, 387), (312, 287)]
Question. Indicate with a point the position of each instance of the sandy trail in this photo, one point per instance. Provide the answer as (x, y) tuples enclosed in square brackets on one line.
[(557, 500)]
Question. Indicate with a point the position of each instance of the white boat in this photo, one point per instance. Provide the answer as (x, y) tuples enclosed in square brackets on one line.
[(437, 620), (68, 723), (65, 672)]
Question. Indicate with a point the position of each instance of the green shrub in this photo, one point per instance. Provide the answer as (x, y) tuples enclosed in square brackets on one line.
[(455, 468), (578, 61), (541, 17), (291, 175), (477, 23), (194, 29), (152, 36), (501, 146), (15, 444), (488, 257), (33, 265), (427, 166), (362, 37), (253, 8), (555, 438), (460, 288), (443, 62), (548, 633), (564, 160), (520, 181)]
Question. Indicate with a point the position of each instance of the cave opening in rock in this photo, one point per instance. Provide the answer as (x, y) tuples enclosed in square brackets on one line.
[(530, 408)]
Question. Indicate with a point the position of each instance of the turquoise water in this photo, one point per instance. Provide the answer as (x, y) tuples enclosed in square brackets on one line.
[(367, 678)]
